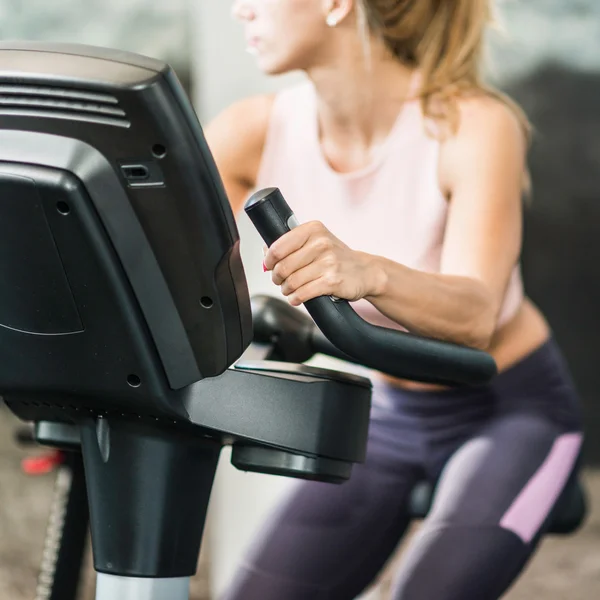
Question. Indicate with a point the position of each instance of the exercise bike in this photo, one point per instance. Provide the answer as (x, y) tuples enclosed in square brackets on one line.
[(124, 311)]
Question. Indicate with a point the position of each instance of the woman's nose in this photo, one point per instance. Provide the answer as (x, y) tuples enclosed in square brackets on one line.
[(242, 10)]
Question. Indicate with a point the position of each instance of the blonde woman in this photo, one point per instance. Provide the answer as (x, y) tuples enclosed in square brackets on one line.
[(408, 174)]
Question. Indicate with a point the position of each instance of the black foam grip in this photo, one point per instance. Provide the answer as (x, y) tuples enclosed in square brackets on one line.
[(393, 352)]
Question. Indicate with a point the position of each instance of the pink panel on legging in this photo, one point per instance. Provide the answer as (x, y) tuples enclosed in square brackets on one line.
[(532, 506)]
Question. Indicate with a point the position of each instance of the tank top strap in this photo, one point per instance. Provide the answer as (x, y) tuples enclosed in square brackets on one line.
[(414, 85)]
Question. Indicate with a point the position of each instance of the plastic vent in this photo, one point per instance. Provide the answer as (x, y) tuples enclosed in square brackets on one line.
[(61, 103)]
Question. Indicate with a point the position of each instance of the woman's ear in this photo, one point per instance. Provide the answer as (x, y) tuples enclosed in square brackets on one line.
[(336, 11)]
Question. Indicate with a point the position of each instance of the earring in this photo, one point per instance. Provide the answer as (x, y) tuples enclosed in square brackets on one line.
[(331, 20)]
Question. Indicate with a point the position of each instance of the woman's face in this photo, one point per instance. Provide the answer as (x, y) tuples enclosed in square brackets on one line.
[(284, 35)]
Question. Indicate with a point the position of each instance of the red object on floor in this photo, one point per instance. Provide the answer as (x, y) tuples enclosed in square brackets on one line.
[(41, 465)]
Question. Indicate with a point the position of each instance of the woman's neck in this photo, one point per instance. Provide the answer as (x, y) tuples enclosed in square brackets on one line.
[(358, 102)]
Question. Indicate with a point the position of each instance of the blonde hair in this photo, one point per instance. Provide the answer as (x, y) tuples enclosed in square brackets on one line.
[(444, 40)]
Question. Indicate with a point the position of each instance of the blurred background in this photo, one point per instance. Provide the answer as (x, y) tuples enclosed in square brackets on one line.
[(546, 53)]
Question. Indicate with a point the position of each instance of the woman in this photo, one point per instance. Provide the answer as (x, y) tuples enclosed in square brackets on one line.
[(408, 175)]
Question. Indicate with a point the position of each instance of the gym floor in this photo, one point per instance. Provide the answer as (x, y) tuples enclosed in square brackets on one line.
[(565, 568)]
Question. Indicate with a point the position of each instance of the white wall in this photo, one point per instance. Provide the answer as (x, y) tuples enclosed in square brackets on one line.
[(152, 27)]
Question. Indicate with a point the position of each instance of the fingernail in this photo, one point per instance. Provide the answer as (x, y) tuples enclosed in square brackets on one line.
[(264, 267)]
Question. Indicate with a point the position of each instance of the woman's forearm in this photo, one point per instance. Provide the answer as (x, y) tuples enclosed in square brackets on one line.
[(447, 307)]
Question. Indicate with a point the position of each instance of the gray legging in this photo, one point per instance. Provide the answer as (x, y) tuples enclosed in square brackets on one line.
[(501, 455)]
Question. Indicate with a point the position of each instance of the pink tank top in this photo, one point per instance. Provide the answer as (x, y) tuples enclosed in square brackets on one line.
[(392, 208)]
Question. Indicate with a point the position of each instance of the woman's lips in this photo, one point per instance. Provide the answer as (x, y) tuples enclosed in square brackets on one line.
[(252, 44)]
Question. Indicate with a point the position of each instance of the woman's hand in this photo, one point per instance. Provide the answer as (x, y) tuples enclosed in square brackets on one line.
[(309, 261)]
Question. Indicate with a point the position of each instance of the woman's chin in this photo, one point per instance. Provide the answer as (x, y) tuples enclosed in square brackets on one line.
[(267, 65)]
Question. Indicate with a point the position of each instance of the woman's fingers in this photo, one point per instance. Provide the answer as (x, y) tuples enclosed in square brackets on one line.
[(315, 250), (309, 234), (313, 289), (302, 277)]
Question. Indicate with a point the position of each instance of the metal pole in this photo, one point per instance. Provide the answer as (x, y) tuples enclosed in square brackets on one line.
[(114, 587)]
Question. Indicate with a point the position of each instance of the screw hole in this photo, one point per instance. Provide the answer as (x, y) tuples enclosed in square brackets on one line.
[(159, 151), (134, 381), (63, 208), (206, 302)]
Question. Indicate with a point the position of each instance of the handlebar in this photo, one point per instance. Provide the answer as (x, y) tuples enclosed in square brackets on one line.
[(396, 353)]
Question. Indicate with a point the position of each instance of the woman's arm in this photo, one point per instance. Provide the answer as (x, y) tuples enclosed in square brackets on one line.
[(481, 171), (236, 139)]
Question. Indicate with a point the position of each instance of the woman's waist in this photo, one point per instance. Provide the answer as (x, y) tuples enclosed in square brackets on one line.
[(538, 384), (511, 344), (538, 372)]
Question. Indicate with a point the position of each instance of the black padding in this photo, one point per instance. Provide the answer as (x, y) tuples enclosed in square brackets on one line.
[(570, 511)]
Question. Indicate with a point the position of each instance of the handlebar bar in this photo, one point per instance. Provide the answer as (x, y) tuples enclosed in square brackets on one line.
[(396, 353)]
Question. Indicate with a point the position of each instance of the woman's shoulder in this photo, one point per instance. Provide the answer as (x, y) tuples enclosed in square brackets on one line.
[(452, 115), (490, 130), (245, 123), (237, 136), (242, 122), (250, 116), (486, 111)]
